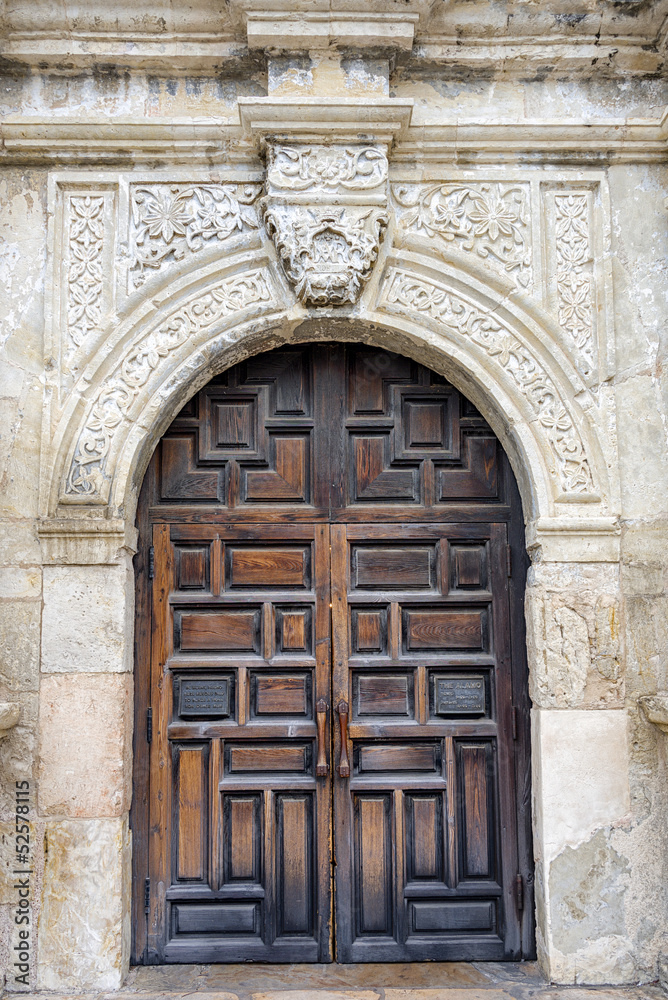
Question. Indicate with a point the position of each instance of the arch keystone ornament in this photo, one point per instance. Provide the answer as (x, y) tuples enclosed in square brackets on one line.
[(325, 210)]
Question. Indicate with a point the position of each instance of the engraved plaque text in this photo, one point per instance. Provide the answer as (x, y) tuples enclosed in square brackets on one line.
[(460, 696), (204, 697)]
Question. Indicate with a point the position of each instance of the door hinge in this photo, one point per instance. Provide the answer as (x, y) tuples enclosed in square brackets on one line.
[(151, 563), (519, 891), (509, 560), (515, 721), (147, 896), (149, 725)]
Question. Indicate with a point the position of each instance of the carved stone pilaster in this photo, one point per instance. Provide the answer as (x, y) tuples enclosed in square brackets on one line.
[(325, 209)]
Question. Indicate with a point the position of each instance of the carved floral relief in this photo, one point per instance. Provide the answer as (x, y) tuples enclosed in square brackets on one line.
[(87, 479), (327, 253), (414, 294), (574, 279), (491, 220), (325, 211), (169, 221), (84, 270), (306, 167)]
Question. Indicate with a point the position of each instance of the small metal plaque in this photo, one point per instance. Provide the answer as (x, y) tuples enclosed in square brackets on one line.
[(204, 697), (460, 695)]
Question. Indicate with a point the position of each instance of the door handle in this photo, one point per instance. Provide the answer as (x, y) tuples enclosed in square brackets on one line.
[(321, 767), (344, 764)]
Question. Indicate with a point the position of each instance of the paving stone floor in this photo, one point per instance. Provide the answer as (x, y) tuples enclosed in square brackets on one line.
[(424, 981)]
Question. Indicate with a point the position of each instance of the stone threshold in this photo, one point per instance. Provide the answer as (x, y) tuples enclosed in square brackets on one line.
[(409, 981)]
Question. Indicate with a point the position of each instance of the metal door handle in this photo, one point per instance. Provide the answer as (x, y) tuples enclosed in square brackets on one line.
[(344, 764), (321, 767)]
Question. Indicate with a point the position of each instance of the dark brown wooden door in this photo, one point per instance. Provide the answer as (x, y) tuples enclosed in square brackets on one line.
[(334, 760)]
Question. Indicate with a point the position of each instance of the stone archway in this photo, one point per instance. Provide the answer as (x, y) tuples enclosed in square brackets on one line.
[(494, 344)]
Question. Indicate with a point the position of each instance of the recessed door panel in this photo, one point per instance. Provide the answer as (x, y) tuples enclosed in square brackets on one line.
[(427, 790), (324, 682)]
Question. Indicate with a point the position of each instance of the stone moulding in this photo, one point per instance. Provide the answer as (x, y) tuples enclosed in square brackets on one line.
[(93, 139), (87, 479), (511, 358), (325, 29), (129, 395)]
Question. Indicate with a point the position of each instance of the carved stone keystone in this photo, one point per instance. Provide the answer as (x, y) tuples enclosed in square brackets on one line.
[(325, 209)]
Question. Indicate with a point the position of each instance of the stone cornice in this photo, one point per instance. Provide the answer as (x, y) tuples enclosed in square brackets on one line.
[(214, 141), (300, 31), (592, 40), (324, 120)]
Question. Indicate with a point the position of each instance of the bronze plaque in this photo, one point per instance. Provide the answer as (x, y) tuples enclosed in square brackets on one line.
[(204, 697), (460, 695)]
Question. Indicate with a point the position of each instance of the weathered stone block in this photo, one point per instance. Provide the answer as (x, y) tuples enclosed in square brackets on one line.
[(83, 923), (85, 744), (573, 637), (19, 582), (19, 645), (19, 545), (580, 774), (87, 624)]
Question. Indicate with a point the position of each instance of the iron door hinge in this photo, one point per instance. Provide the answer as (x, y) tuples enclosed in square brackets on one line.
[(519, 891), (509, 560), (147, 896), (151, 563), (149, 725)]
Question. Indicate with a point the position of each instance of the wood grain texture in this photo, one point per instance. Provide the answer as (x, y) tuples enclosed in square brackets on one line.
[(240, 497), (191, 797), (374, 888)]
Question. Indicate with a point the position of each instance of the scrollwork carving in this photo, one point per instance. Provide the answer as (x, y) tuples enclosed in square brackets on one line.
[(300, 168), (416, 294), (87, 479), (325, 211), (490, 220), (169, 221)]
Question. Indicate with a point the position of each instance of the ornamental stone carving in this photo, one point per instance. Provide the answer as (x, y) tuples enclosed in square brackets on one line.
[(171, 221), (491, 220), (405, 291), (325, 210), (87, 479)]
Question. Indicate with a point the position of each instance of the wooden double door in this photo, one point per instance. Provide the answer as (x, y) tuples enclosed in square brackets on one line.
[(331, 755)]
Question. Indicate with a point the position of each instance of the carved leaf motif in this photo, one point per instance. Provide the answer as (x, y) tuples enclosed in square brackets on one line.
[(170, 221), (87, 478), (84, 268), (574, 288), (490, 220), (414, 294)]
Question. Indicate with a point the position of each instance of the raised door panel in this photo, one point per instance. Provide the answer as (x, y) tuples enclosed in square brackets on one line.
[(410, 447), (426, 674), (244, 659), (249, 443)]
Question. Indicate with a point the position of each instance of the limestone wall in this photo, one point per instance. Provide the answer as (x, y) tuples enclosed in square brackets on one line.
[(597, 602)]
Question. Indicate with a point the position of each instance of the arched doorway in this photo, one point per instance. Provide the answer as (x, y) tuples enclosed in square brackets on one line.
[(331, 745)]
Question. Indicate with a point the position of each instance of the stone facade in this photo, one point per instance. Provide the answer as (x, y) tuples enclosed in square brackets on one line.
[(487, 196)]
